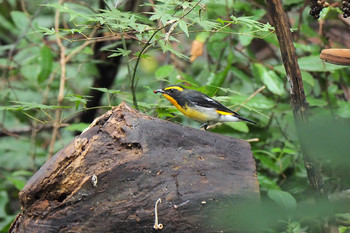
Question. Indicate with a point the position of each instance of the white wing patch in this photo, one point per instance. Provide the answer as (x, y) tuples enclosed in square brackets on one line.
[(227, 118), (209, 99)]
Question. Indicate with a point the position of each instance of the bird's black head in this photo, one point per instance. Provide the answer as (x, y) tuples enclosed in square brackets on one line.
[(173, 90), (174, 94)]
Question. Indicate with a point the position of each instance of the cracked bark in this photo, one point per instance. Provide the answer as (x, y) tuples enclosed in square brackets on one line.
[(137, 159)]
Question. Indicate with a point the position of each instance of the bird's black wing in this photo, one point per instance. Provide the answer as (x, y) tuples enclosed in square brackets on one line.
[(200, 99)]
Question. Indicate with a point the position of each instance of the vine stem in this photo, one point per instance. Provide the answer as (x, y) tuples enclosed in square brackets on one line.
[(133, 85)]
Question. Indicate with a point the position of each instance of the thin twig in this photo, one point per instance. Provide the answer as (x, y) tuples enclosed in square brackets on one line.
[(133, 87), (252, 140), (254, 60), (81, 47), (250, 97), (33, 144), (60, 96), (240, 106)]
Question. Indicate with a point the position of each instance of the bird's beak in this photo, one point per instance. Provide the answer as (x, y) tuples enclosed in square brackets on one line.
[(158, 91)]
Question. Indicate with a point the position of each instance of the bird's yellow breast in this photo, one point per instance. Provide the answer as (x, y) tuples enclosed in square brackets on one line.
[(196, 115), (189, 112)]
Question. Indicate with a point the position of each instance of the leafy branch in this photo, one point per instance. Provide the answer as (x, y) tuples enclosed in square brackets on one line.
[(148, 43)]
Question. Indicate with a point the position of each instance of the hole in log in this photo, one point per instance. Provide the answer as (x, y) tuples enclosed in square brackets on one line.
[(62, 197), (132, 146)]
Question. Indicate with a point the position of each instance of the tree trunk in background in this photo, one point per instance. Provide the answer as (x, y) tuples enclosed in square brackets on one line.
[(107, 69), (297, 94), (135, 160), (298, 99)]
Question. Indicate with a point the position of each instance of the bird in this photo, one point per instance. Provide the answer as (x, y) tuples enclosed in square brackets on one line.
[(199, 107)]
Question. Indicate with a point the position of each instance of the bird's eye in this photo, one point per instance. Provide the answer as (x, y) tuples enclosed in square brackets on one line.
[(171, 90)]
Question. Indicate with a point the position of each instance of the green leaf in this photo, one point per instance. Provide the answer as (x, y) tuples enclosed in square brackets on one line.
[(316, 102), (267, 183), (18, 183), (22, 173), (105, 90), (222, 22), (30, 72), (46, 63), (215, 81), (344, 109), (269, 77), (25, 106), (283, 199), (315, 64), (4, 199), (20, 19), (119, 52), (202, 36), (164, 71), (268, 162), (71, 12), (329, 13), (285, 162), (167, 47), (47, 31), (78, 99), (344, 218), (258, 102), (7, 24), (77, 127), (239, 126), (308, 78), (292, 2), (183, 26), (245, 38), (240, 74)]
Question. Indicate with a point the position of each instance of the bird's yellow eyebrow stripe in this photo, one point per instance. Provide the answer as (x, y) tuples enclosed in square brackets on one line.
[(174, 87), (224, 113)]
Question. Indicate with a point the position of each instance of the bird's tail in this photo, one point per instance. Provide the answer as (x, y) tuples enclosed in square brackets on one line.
[(244, 119)]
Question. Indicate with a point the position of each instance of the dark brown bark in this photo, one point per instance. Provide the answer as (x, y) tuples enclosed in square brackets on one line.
[(137, 159), (297, 94)]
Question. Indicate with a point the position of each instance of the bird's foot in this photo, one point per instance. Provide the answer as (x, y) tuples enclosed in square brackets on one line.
[(204, 125)]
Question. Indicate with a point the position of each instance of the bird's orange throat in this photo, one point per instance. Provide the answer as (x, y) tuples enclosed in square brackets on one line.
[(173, 101)]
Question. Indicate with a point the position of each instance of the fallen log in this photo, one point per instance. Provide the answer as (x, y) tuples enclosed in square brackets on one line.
[(110, 177)]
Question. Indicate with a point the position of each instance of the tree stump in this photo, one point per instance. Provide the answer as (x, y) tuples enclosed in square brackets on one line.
[(110, 177)]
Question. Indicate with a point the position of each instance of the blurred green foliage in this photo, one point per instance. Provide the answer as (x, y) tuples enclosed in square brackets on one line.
[(241, 55)]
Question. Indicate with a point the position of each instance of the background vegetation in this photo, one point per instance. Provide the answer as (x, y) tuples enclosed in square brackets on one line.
[(64, 63)]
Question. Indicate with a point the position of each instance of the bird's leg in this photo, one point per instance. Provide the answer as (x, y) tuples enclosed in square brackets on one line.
[(204, 125)]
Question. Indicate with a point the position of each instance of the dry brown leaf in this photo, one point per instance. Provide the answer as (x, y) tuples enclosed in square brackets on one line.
[(196, 49), (336, 56)]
